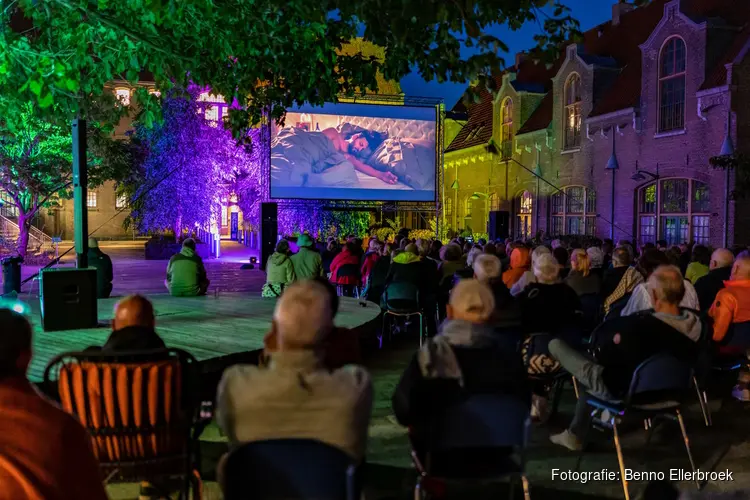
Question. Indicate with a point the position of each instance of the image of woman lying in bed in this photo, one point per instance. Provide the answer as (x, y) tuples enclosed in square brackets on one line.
[(358, 144)]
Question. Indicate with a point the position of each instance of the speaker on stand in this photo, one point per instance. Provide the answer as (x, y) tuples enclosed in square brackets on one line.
[(269, 231), (499, 224)]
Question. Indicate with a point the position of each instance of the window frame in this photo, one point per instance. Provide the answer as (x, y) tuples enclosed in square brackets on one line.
[(121, 201), (468, 207), (562, 218), (121, 98), (662, 80), (572, 107), (92, 195), (658, 214), (506, 120)]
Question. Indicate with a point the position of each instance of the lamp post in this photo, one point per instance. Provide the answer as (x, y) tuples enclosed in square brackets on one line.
[(612, 165), (727, 149), (454, 217)]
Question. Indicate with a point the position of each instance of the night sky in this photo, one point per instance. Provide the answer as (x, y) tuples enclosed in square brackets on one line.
[(590, 13)]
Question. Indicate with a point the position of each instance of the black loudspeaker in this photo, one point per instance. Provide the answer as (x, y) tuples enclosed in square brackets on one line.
[(68, 299), (269, 231), (499, 224)]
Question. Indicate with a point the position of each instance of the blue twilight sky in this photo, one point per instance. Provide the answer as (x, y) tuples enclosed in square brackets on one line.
[(589, 13)]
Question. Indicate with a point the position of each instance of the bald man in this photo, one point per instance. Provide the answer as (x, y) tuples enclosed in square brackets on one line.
[(720, 270), (133, 326), (732, 304), (296, 396)]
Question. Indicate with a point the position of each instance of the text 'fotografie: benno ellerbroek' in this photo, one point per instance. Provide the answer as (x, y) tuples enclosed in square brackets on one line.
[(634, 475)]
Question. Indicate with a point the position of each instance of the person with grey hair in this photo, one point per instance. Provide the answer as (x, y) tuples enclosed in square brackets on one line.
[(596, 259), (295, 395), (671, 330), (467, 357), (548, 307), (488, 270), (279, 271), (528, 277), (186, 274), (719, 271)]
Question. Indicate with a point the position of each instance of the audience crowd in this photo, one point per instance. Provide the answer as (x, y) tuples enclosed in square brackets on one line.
[(501, 318)]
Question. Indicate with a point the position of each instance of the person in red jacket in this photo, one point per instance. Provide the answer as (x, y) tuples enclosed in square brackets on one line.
[(348, 256), (371, 257)]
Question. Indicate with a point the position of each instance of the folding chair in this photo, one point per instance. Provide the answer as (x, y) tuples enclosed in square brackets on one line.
[(140, 410), (657, 389), (401, 300), (349, 271), (486, 422), (292, 469)]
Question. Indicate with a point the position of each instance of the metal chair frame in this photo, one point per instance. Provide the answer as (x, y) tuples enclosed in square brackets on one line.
[(424, 473), (618, 410), (387, 311), (133, 470)]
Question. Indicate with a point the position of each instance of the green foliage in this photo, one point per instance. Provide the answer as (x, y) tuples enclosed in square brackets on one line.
[(424, 234), (36, 163), (383, 233), (740, 164), (61, 53)]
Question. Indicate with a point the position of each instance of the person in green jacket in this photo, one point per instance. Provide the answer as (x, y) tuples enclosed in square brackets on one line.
[(186, 275), (103, 265), (307, 262), (279, 271)]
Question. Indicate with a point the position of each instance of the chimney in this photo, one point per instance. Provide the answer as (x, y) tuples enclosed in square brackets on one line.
[(620, 9), (521, 57)]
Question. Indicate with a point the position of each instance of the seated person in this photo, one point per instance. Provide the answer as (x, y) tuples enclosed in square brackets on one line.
[(279, 271), (464, 359), (409, 267), (488, 270), (296, 396), (307, 262), (670, 330), (349, 256), (621, 261), (186, 275), (103, 265), (378, 274), (342, 346), (581, 278), (133, 326), (528, 277), (641, 299), (720, 270), (45, 453), (732, 306)]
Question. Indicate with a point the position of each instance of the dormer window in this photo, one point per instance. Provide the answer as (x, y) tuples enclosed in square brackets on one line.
[(572, 125), (672, 85)]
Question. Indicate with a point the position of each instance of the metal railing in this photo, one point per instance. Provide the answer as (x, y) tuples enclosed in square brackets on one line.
[(9, 232)]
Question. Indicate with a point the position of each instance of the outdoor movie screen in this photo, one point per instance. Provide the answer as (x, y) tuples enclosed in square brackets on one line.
[(361, 152)]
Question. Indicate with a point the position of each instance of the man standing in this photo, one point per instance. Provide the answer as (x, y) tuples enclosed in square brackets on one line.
[(720, 270), (671, 330), (186, 275), (103, 265), (296, 396), (44, 452), (307, 262)]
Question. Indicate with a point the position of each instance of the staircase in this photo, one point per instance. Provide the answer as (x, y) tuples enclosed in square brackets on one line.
[(38, 241)]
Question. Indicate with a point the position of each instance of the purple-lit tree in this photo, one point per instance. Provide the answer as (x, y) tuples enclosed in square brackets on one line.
[(189, 165)]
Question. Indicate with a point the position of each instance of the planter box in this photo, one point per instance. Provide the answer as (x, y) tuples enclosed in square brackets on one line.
[(164, 250)]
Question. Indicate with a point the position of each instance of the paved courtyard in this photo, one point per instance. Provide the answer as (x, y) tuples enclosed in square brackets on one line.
[(389, 474)]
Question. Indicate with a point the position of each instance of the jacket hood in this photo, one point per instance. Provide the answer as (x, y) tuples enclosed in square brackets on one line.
[(406, 258), (687, 323), (278, 258), (520, 258), (187, 252)]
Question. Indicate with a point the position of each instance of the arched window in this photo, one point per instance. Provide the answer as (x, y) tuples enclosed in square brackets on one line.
[(467, 207), (572, 125), (494, 201), (448, 208), (672, 85), (573, 211), (506, 121), (524, 208), (678, 211)]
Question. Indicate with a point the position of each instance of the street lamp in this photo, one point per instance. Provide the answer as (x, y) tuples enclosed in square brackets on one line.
[(612, 165), (640, 175)]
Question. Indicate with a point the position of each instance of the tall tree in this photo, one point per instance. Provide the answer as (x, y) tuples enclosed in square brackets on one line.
[(188, 165), (266, 54), (36, 165)]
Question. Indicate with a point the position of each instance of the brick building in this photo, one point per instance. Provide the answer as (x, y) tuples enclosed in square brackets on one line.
[(655, 83)]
